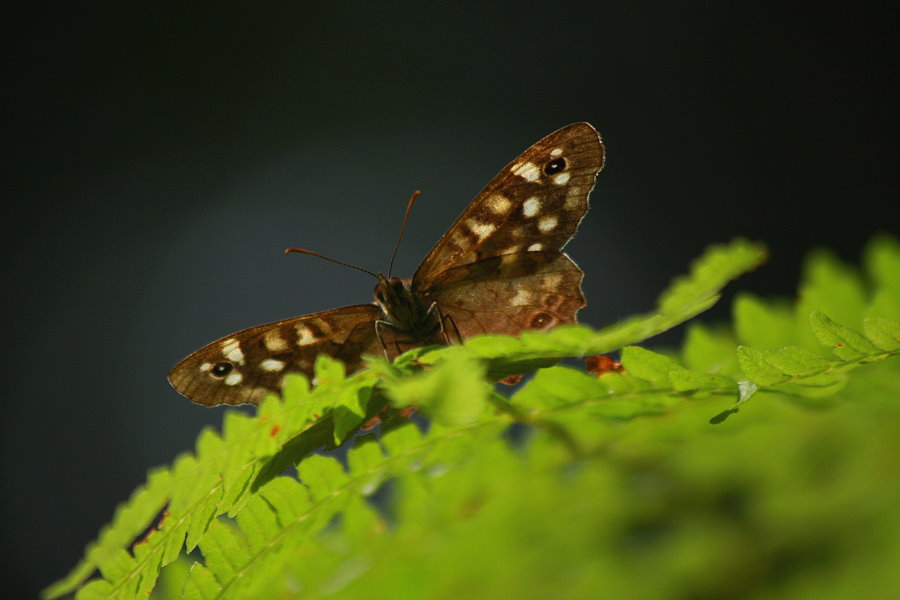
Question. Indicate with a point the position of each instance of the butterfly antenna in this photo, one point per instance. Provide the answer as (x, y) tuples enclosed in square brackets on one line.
[(328, 258), (409, 206)]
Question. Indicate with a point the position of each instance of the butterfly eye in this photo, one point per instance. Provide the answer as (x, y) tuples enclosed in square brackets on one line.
[(221, 369), (555, 166)]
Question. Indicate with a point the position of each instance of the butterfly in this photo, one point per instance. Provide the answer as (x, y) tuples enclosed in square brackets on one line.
[(499, 269)]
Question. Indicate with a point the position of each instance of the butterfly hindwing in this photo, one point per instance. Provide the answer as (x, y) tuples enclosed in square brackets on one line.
[(511, 293), (244, 366)]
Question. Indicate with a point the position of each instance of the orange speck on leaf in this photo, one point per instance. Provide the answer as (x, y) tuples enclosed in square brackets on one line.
[(599, 364), (371, 424)]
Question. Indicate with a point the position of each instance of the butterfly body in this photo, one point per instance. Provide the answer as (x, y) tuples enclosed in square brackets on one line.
[(410, 316), (498, 269)]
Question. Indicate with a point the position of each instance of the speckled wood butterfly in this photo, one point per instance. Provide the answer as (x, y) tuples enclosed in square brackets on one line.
[(499, 269)]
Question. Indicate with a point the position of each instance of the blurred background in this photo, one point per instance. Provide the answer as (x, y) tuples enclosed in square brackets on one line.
[(159, 159)]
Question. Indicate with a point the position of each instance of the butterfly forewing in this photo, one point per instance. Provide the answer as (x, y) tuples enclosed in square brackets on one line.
[(534, 204), (244, 366)]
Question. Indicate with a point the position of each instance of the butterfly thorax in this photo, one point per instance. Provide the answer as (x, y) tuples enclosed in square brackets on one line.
[(405, 311)]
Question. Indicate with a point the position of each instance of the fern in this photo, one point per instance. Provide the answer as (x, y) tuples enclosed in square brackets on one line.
[(617, 482)]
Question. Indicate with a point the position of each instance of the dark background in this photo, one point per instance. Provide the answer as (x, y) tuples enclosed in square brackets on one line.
[(159, 160)]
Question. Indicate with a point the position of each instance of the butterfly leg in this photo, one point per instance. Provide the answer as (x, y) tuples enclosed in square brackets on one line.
[(379, 324), (443, 320)]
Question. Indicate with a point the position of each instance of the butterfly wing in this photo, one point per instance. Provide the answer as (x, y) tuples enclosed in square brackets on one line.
[(533, 205), (510, 293), (244, 366), (500, 267)]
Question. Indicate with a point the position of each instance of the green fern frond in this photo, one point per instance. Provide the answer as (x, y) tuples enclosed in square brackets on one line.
[(218, 478), (617, 483)]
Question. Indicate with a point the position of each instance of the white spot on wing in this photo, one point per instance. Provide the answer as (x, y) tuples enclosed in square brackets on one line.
[(482, 230), (233, 378), (305, 336), (561, 179), (231, 349), (552, 282), (271, 364), (531, 207), (274, 342), (547, 223), (205, 367), (536, 247), (324, 325), (556, 152), (527, 171), (522, 298), (498, 203)]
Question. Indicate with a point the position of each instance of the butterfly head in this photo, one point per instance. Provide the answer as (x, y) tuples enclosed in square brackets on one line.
[(389, 291)]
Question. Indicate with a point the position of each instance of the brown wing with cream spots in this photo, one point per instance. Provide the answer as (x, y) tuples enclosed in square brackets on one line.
[(511, 293), (534, 204), (245, 366)]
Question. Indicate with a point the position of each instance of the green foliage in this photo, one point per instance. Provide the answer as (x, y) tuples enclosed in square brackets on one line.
[(575, 485)]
